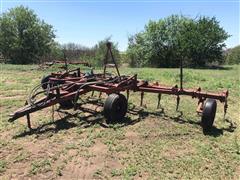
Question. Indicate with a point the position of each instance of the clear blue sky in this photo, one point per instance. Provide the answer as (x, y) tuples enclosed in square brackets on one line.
[(87, 22)]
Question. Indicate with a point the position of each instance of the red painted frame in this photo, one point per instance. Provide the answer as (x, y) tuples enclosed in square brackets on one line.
[(74, 82)]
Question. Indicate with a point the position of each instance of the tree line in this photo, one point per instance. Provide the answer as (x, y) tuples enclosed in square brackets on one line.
[(26, 39), (76, 52)]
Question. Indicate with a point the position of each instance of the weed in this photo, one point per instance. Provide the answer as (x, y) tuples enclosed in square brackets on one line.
[(71, 146), (59, 170), (116, 172), (98, 173), (87, 142), (21, 156), (130, 171), (3, 165), (40, 166)]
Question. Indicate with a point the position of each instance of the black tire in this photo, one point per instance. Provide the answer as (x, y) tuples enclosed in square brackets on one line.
[(115, 108), (66, 104), (45, 80), (208, 114)]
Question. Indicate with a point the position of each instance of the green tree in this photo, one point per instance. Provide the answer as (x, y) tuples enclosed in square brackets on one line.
[(24, 38), (55, 53), (138, 50), (75, 51), (203, 41), (165, 42), (233, 56), (100, 50)]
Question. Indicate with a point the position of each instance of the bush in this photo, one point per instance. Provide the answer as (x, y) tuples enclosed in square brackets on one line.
[(233, 56)]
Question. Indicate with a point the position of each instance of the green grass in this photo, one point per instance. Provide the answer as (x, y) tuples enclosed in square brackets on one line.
[(2, 166), (156, 145), (40, 166)]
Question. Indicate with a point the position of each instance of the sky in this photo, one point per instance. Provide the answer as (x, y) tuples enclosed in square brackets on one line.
[(87, 22)]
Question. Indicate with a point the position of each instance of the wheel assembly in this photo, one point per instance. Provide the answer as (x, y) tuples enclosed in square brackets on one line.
[(115, 108), (208, 114)]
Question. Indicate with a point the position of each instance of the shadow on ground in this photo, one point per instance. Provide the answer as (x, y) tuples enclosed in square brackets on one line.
[(71, 120)]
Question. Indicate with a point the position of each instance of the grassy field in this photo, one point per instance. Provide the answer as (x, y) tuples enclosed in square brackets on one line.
[(151, 144)]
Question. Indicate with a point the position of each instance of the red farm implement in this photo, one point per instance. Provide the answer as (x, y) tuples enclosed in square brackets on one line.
[(66, 87)]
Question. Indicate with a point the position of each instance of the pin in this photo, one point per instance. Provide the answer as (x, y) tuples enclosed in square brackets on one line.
[(28, 119)]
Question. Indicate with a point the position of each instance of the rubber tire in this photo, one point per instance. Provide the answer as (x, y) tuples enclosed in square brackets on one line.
[(115, 108), (44, 81), (66, 104), (208, 114)]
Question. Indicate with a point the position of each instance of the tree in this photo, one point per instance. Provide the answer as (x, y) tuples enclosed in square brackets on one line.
[(137, 50), (233, 56), (24, 38), (100, 50), (75, 51), (93, 55), (55, 53), (165, 42), (203, 41)]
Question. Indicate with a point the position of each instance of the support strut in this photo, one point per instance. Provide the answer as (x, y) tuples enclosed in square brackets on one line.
[(142, 95), (159, 99), (178, 101), (225, 108), (28, 119)]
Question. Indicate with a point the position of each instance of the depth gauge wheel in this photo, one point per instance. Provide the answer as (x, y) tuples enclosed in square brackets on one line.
[(208, 114), (115, 108)]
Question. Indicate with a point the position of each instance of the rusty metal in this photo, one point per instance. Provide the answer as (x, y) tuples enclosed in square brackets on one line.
[(71, 84)]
